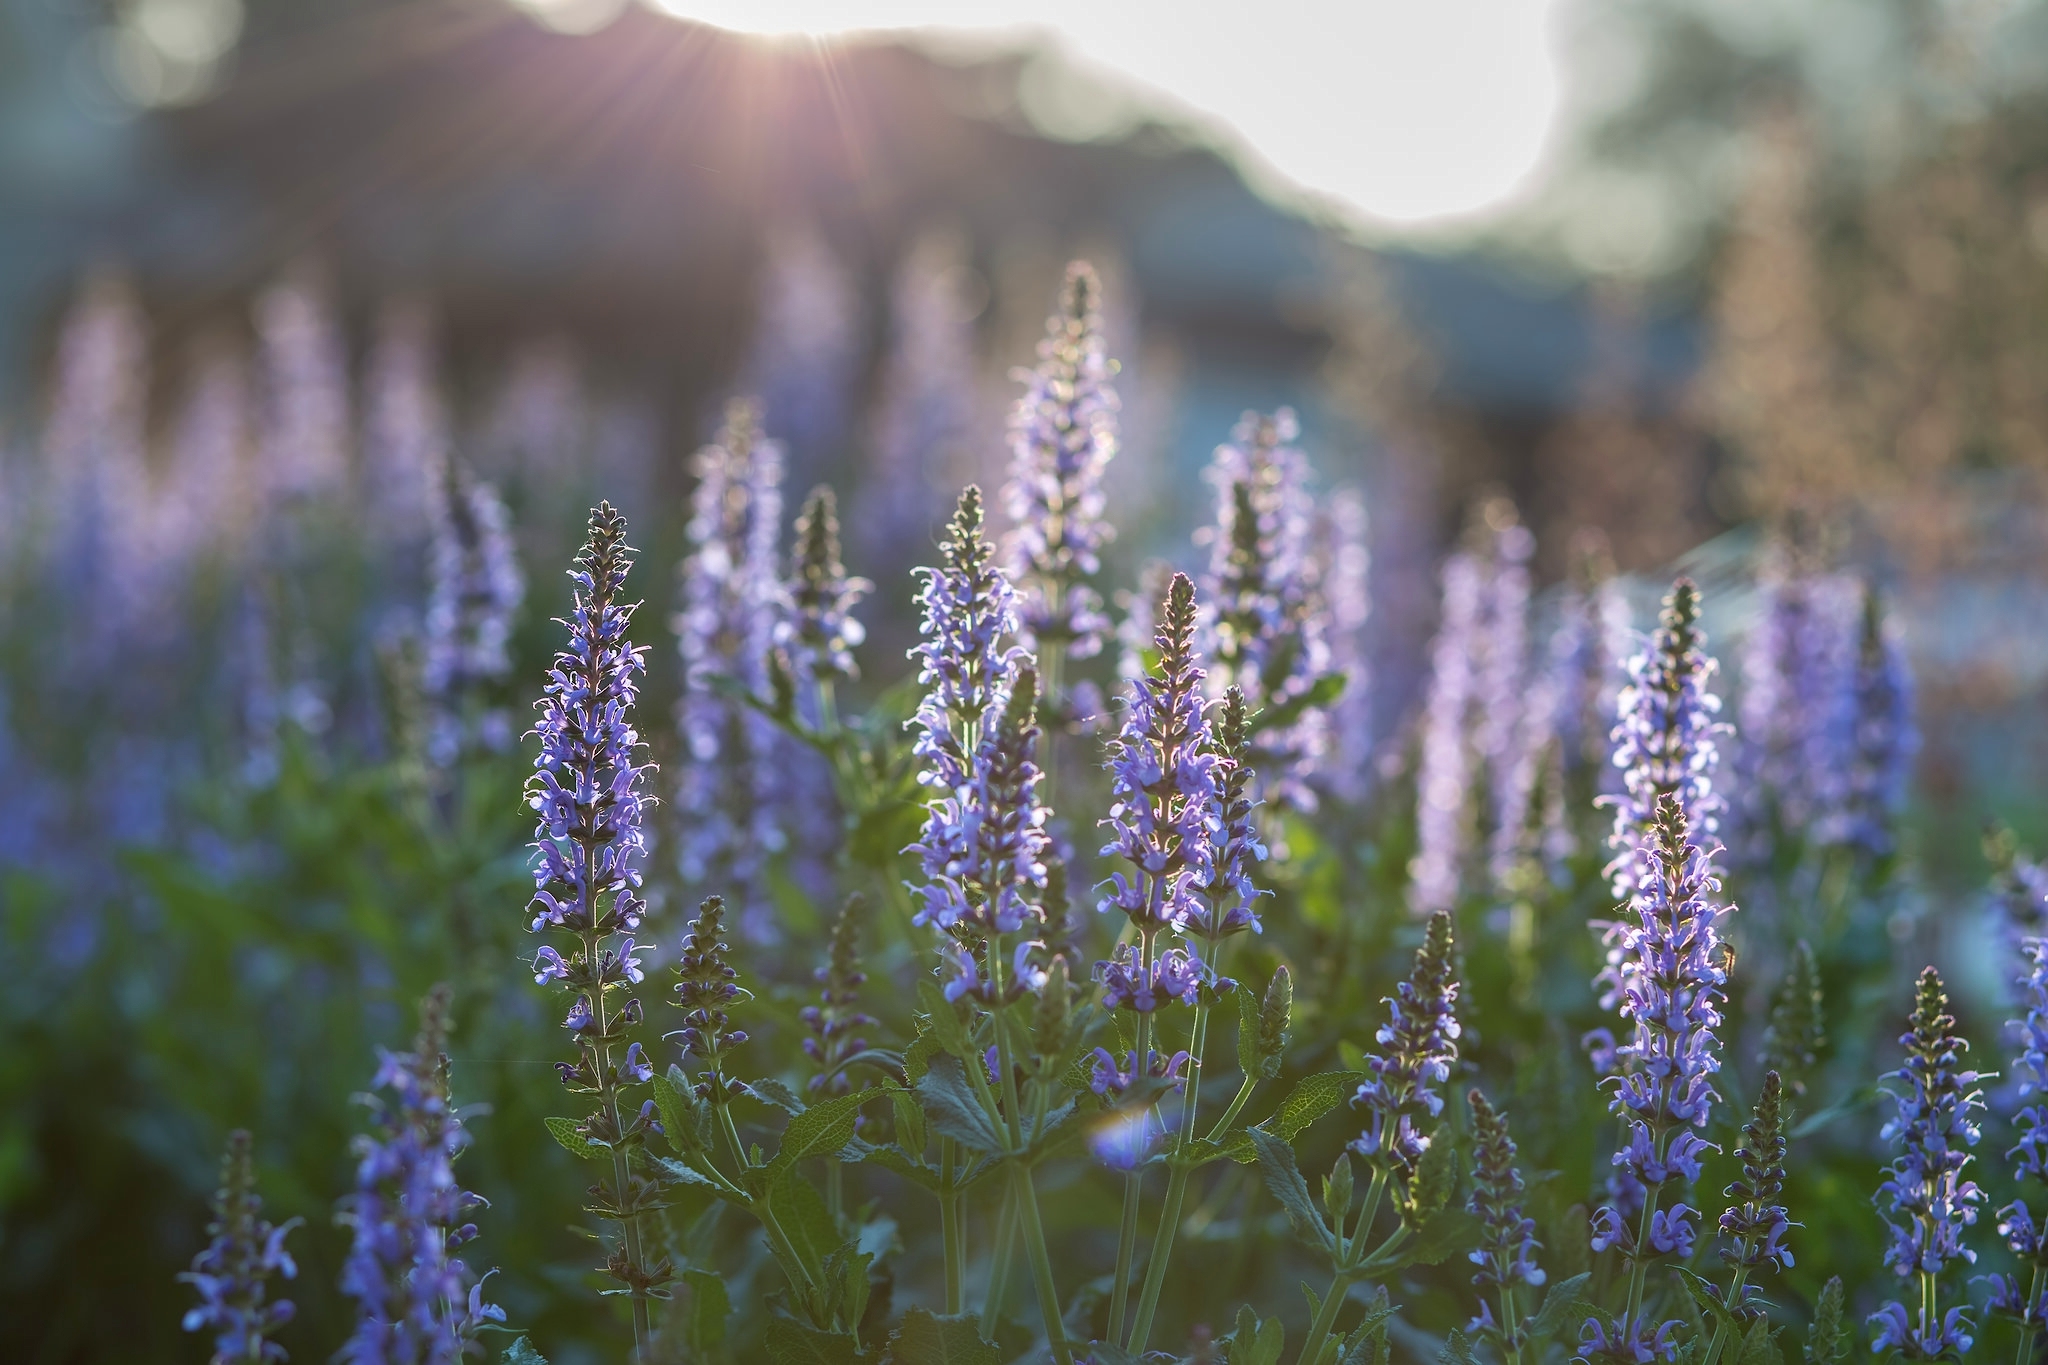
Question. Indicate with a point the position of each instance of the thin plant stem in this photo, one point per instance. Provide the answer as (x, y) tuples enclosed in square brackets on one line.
[(2027, 1328), (999, 1266), (949, 1225), (1134, 1182), (1041, 1263), (629, 1224), (1346, 1270), (1176, 1187)]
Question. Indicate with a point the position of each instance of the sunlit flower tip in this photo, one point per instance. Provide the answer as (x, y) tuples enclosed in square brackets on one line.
[(1229, 901), (1164, 812), (1665, 743), (231, 1276), (1756, 1221), (819, 629), (1918, 1338), (1419, 1042), (968, 610), (414, 1300), (586, 788), (1175, 974), (1062, 435), (1926, 1201), (1507, 1238)]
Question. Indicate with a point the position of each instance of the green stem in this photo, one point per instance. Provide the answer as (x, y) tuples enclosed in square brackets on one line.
[(949, 1225), (1326, 1317), (1346, 1269), (2028, 1329), (629, 1224), (999, 1267), (1134, 1183), (1237, 1103), (1041, 1263), (1510, 1326), (1719, 1340), (1176, 1187)]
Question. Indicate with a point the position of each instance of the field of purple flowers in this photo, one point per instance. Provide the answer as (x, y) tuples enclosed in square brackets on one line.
[(626, 968)]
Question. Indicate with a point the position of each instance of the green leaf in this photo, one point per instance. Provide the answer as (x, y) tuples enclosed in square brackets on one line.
[(685, 1173), (1324, 690), (943, 1018), (825, 1127), (574, 1143), (910, 1130), (684, 1117), (1760, 1346), (1283, 1178), (521, 1352), (770, 1091), (704, 1319), (1457, 1350), (1445, 1235), (1247, 1030), (919, 1054), (806, 1223), (1706, 1296), (952, 1107), (1257, 1341), (1311, 1098), (1367, 1344), (1564, 1306), (1436, 1179), (789, 1342), (928, 1338)]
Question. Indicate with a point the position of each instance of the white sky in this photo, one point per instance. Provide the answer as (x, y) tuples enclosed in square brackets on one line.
[(1408, 111)]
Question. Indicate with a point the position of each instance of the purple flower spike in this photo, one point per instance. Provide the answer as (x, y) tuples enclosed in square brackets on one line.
[(1507, 1238), (476, 590), (1756, 1221), (1127, 983), (1062, 435), (1925, 1199), (1229, 901), (232, 1274), (1881, 740), (1164, 813), (414, 1300), (834, 1022), (1421, 1041)]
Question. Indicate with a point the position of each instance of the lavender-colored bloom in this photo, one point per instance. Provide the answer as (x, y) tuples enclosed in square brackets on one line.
[(1443, 778), (1500, 678), (1670, 991), (1420, 1039), (806, 346), (231, 1275), (1505, 1256), (1881, 739), (475, 590), (1629, 1341), (834, 1021), (1756, 1221), (1346, 577), (1798, 664), (1163, 813), (818, 628), (731, 794), (2029, 1156), (707, 982), (1265, 627), (405, 429), (416, 1302), (1926, 1200), (969, 612), (1110, 1078), (1062, 435), (1665, 740), (305, 436), (1228, 900), (1173, 974), (1572, 708), (2017, 894)]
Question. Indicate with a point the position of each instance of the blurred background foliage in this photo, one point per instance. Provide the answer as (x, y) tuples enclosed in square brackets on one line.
[(1780, 285)]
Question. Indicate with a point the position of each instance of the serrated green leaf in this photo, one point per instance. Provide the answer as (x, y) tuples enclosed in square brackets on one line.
[(928, 1338), (1706, 1296), (1255, 1341), (1760, 1345), (891, 1158), (1247, 1031), (1283, 1178), (1448, 1233), (942, 1019), (824, 1127), (1311, 1098), (1359, 1346), (1564, 1306), (574, 1143), (1436, 1179), (704, 1319), (789, 1342), (807, 1225), (910, 1128), (521, 1352), (772, 1092), (919, 1054), (952, 1108)]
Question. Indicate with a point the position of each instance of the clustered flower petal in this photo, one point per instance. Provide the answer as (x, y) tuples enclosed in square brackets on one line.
[(1229, 901), (232, 1274), (1266, 624), (707, 982), (1420, 1041), (1505, 1256), (1062, 436), (416, 1302)]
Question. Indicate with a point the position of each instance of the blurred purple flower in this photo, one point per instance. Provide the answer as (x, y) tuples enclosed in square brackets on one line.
[(231, 1275)]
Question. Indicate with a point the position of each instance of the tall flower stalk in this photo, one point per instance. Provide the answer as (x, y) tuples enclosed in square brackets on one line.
[(587, 789), (1926, 1200), (1670, 994), (1063, 434), (416, 1302), (1881, 738), (232, 1275), (475, 590), (2029, 1157), (1755, 1224), (1507, 1238)]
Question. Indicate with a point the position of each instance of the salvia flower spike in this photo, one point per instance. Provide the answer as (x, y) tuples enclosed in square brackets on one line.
[(818, 628), (2024, 1236), (706, 983), (1420, 1042), (1755, 1223), (416, 1302), (475, 591), (232, 1274), (587, 789), (1926, 1200), (834, 1022), (1062, 436), (1505, 1256), (1229, 901)]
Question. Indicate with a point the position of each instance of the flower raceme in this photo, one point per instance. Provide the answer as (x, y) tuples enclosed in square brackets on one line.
[(232, 1274), (1420, 1042), (818, 628), (1505, 1256)]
